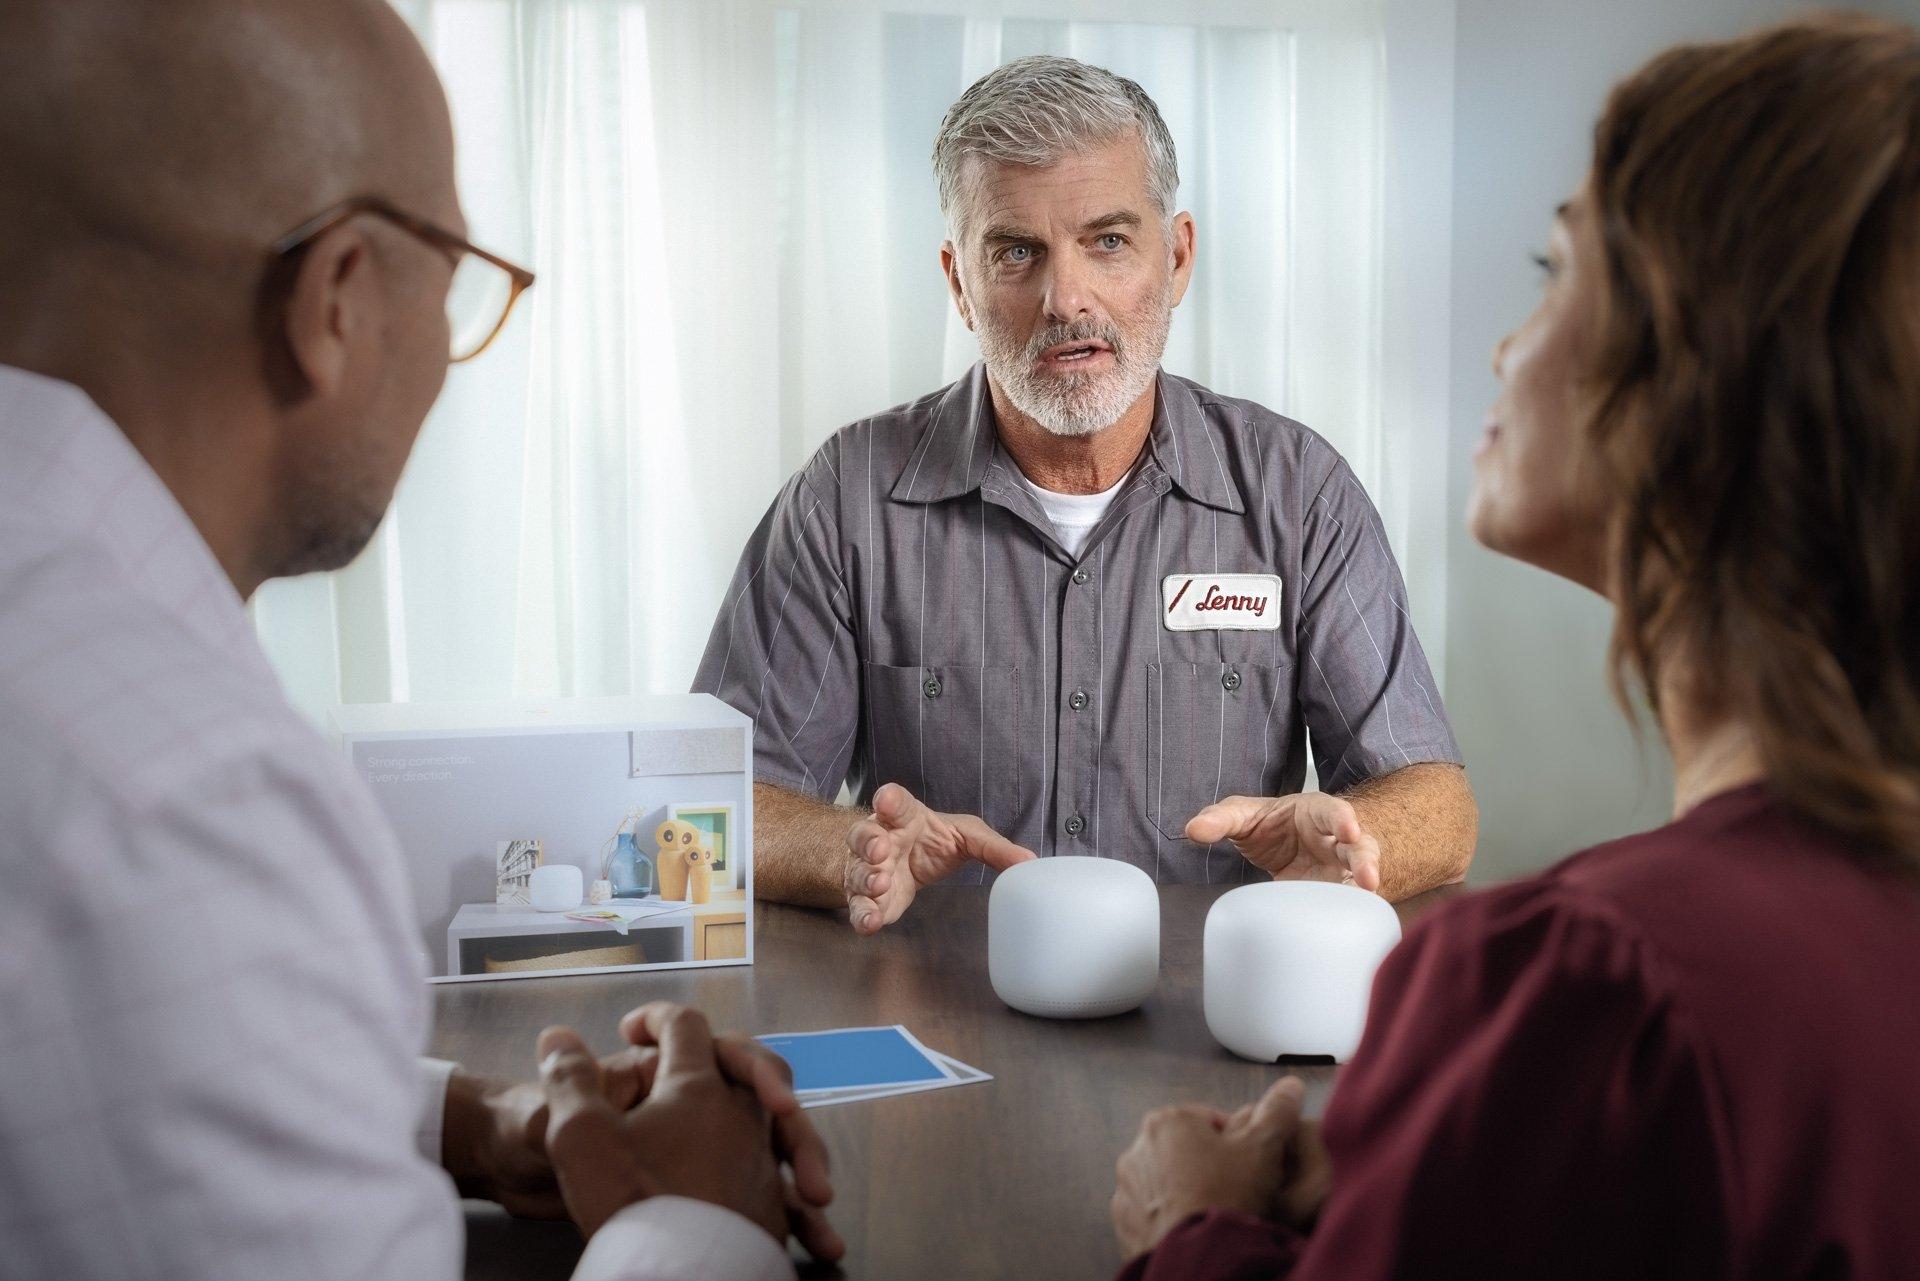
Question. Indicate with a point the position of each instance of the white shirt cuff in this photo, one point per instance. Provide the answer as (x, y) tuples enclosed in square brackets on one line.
[(434, 1075), (673, 1238)]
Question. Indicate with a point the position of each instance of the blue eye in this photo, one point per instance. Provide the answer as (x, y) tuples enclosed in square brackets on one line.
[(1111, 241), (1018, 253)]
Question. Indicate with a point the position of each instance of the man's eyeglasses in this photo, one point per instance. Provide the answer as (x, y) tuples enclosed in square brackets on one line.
[(485, 286)]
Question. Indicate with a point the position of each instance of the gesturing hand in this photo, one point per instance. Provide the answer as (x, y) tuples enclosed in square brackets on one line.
[(905, 846), (1309, 837), (1189, 1159)]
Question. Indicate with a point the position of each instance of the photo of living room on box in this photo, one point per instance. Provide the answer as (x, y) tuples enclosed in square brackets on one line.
[(486, 797)]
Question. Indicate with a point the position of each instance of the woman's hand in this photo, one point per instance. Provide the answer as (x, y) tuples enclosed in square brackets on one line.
[(1264, 1160)]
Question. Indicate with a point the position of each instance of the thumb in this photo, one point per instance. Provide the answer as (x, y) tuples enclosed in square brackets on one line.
[(597, 1172), (1231, 819), (1277, 1113), (569, 1074), (1332, 816), (988, 846), (1363, 862), (894, 805)]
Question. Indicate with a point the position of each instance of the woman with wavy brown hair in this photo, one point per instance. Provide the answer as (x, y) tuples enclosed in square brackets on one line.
[(1693, 1052)]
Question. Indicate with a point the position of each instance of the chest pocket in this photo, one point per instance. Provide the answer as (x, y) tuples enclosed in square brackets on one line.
[(1209, 726), (950, 734)]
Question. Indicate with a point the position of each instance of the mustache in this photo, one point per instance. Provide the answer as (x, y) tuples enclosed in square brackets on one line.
[(1079, 331)]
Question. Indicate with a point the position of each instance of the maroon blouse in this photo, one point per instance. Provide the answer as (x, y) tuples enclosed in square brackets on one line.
[(1691, 1053)]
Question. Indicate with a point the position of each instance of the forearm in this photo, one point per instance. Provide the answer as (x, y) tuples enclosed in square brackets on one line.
[(800, 847), (1426, 821)]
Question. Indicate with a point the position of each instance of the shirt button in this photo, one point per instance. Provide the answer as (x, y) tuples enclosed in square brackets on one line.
[(931, 686), (1080, 576), (1077, 700), (1076, 825), (1231, 680)]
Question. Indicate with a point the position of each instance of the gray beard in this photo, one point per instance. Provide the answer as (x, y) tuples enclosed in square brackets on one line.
[(1079, 404)]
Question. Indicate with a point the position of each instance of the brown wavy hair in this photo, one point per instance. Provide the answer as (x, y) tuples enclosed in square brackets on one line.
[(1755, 403)]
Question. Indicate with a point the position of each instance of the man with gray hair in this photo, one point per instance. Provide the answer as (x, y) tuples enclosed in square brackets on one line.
[(1073, 604)]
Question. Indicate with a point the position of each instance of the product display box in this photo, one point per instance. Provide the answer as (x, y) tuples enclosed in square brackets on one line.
[(650, 798)]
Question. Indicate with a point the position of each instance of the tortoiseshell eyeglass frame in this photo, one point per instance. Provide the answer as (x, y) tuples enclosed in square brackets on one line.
[(455, 247)]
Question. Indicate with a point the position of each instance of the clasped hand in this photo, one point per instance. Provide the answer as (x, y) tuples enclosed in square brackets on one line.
[(1264, 1160), (679, 1112)]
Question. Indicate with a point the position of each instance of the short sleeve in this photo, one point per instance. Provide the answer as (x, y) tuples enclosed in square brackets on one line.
[(1366, 691), (782, 650), (1528, 1100)]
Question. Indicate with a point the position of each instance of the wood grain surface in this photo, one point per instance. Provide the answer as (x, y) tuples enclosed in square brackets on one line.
[(1009, 1178)]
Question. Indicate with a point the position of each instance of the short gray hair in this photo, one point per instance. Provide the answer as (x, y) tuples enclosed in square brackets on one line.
[(1036, 111)]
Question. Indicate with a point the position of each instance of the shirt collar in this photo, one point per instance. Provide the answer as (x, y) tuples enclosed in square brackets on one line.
[(77, 472), (1186, 445), (960, 443), (956, 446)]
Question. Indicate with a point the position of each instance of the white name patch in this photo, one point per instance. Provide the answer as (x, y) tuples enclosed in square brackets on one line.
[(1220, 602)]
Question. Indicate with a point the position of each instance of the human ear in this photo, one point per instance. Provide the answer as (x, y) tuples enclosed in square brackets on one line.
[(950, 267), (1184, 237), (332, 304)]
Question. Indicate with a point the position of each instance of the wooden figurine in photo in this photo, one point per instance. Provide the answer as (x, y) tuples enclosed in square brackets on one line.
[(700, 874), (675, 838)]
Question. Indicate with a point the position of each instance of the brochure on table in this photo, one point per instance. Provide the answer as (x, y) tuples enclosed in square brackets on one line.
[(847, 1065), (650, 797)]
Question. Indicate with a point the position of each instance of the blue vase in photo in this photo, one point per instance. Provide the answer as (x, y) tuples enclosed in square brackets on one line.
[(631, 872)]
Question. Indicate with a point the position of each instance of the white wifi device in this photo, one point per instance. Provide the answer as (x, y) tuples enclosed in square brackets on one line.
[(1073, 937), (555, 887), (1289, 965)]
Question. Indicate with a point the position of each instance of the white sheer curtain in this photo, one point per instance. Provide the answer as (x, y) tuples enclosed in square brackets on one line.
[(731, 210)]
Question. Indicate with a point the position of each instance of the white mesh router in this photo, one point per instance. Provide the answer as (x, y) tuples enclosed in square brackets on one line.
[(555, 888), (1289, 965), (1073, 937)]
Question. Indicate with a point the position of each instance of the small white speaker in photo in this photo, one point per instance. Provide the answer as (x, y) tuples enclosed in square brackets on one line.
[(556, 887), (1073, 937), (1289, 965)]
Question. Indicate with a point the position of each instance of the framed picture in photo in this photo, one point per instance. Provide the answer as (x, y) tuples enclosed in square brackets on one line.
[(514, 862), (716, 821)]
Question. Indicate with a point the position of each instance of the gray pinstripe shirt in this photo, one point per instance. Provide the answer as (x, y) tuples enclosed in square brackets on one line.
[(904, 613)]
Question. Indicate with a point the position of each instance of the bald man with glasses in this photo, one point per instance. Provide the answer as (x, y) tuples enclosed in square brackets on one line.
[(226, 236)]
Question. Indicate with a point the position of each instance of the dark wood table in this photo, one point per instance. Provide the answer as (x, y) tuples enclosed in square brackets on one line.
[(1009, 1178)]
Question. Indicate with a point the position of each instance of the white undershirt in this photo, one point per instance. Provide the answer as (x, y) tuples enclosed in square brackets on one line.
[(1075, 515)]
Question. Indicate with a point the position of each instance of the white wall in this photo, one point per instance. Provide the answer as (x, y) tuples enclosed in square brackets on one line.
[(1553, 761)]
